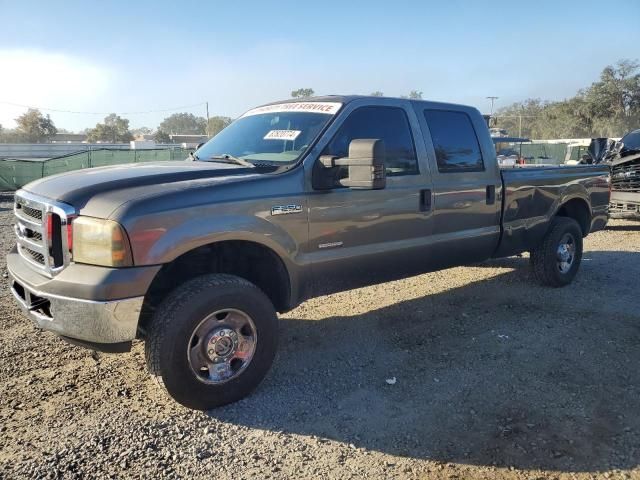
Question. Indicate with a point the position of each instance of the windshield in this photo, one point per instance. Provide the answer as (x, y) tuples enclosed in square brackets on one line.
[(275, 134), (631, 142)]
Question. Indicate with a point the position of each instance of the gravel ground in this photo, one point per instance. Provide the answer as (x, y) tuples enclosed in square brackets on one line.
[(496, 377)]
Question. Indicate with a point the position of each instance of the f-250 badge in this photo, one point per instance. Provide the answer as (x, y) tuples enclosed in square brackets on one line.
[(285, 209)]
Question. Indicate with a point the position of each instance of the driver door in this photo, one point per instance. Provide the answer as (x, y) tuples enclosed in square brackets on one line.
[(361, 237)]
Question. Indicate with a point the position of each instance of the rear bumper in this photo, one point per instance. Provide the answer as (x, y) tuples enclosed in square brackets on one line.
[(57, 304)]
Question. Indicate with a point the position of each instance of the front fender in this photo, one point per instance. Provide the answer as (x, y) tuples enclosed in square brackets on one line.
[(157, 245)]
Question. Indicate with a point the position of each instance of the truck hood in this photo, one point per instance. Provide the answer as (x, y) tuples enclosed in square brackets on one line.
[(99, 191), (630, 157)]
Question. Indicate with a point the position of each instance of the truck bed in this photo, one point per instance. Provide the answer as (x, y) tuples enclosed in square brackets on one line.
[(532, 196)]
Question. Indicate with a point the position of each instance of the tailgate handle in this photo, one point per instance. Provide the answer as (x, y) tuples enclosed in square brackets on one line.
[(491, 194), (425, 200)]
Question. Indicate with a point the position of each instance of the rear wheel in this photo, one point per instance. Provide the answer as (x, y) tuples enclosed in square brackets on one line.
[(557, 259), (212, 341)]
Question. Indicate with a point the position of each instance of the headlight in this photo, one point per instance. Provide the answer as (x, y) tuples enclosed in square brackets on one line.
[(100, 242)]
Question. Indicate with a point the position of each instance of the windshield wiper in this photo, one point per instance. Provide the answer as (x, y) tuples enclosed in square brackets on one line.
[(226, 158)]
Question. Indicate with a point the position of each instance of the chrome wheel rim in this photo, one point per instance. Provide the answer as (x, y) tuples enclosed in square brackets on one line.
[(566, 253), (222, 346)]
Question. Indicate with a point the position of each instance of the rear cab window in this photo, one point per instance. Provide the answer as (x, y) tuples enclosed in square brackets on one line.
[(455, 142)]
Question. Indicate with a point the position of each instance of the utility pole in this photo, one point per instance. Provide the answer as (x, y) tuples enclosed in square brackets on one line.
[(207, 103), (493, 99), (520, 126)]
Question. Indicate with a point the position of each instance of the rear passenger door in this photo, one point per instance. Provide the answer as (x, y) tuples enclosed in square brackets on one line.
[(466, 185)]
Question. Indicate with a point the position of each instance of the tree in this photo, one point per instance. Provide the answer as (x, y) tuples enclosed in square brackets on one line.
[(180, 124), (35, 127), (217, 124), (10, 136), (115, 129), (614, 101), (618, 91), (303, 93), (141, 131), (566, 119), (609, 107), (413, 95), (377, 93), (520, 118), (161, 137), (184, 124)]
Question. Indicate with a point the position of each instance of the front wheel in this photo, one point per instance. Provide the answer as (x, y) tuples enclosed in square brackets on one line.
[(212, 340), (557, 259)]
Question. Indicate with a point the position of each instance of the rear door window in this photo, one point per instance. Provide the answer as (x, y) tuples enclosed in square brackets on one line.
[(455, 141)]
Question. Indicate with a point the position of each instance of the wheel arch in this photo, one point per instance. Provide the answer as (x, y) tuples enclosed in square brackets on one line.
[(253, 261), (578, 209)]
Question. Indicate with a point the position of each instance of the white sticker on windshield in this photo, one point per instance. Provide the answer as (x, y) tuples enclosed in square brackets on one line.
[(282, 135), (328, 108)]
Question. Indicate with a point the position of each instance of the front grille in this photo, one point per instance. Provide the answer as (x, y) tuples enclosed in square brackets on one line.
[(40, 229), (36, 256), (625, 177), (31, 212)]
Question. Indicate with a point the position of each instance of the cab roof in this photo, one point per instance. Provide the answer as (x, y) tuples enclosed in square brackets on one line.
[(345, 99)]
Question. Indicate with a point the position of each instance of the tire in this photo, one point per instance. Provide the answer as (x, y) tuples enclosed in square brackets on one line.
[(177, 342), (547, 259)]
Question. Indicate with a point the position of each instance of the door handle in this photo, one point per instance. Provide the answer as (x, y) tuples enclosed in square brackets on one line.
[(425, 200), (491, 194)]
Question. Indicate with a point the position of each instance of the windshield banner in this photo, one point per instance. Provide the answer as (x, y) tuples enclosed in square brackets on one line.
[(328, 108)]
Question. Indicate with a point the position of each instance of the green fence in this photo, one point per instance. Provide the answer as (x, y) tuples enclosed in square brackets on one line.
[(16, 173)]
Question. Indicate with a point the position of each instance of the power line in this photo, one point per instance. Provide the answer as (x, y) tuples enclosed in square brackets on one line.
[(516, 116), (103, 113)]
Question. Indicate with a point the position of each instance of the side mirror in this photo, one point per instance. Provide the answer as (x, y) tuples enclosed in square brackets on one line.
[(365, 163)]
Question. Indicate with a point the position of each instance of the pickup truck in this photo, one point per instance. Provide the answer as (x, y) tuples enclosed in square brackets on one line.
[(293, 200)]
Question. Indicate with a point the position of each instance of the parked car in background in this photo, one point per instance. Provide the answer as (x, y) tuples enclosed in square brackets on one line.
[(625, 178), (508, 149)]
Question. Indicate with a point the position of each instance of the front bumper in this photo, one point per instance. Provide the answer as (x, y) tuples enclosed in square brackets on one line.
[(94, 322), (625, 205), (56, 304)]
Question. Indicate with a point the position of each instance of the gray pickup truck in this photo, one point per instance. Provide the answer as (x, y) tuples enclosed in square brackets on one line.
[(293, 200)]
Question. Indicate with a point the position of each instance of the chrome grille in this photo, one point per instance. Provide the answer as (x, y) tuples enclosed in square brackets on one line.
[(37, 257), (45, 251), (625, 177), (31, 212)]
